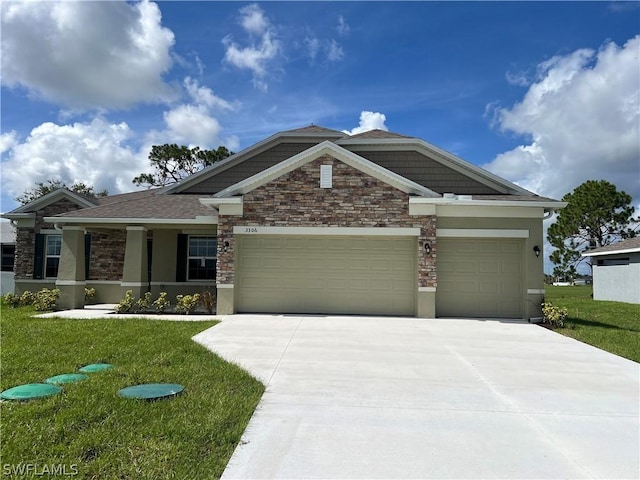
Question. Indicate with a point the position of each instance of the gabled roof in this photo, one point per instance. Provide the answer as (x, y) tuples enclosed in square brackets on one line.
[(312, 133), (50, 198), (630, 245), (340, 153), (138, 207)]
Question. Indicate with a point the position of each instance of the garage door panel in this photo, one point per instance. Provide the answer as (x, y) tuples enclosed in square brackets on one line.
[(480, 278), (326, 275)]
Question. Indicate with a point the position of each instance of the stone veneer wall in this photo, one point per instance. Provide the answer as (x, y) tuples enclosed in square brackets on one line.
[(106, 257), (26, 237), (355, 200)]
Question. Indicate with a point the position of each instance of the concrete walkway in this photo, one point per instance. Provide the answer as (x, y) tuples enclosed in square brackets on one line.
[(358, 397)]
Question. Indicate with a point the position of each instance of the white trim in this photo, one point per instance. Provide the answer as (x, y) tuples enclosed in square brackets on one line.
[(426, 289), (342, 231), (134, 284), (341, 154), (103, 282), (224, 285), (225, 206), (135, 228), (147, 221), (480, 233), (53, 197), (535, 291), (72, 283), (189, 282), (612, 252), (34, 280), (488, 203), (71, 228)]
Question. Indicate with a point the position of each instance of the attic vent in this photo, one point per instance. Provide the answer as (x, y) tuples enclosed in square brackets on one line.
[(325, 176)]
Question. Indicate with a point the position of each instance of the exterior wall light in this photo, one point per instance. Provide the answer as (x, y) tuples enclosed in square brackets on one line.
[(427, 248), (225, 246), (536, 250)]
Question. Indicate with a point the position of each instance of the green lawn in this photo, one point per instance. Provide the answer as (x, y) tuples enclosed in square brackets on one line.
[(191, 436), (611, 326)]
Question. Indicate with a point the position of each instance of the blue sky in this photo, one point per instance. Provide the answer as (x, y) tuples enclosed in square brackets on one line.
[(545, 94)]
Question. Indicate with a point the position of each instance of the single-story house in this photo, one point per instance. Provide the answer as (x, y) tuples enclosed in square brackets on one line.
[(310, 220), (8, 246), (616, 271)]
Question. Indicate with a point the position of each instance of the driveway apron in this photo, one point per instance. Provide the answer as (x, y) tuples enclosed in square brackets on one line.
[(373, 397)]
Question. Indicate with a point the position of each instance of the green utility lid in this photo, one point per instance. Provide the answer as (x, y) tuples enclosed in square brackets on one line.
[(67, 378), (151, 391), (30, 391), (95, 367)]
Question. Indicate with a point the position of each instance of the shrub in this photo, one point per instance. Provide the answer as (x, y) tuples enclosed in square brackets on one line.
[(143, 303), (554, 316), (126, 304), (89, 294), (11, 300), (27, 298), (46, 299), (186, 304), (161, 303), (208, 301)]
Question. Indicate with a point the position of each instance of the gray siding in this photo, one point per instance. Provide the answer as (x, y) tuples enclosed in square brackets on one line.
[(618, 283), (247, 168), (427, 172)]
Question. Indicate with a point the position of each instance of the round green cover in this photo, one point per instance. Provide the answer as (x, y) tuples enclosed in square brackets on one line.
[(95, 367), (150, 391), (29, 391), (66, 378)]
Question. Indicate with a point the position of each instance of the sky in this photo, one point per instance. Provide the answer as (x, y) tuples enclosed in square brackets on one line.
[(544, 94)]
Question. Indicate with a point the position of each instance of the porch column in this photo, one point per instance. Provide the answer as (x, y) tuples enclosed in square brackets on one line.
[(71, 277), (135, 271)]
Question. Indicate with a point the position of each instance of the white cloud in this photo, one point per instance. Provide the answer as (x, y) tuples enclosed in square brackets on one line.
[(369, 121), (257, 55), (335, 53), (86, 55), (94, 153), (343, 26), (582, 116), (205, 96), (313, 46)]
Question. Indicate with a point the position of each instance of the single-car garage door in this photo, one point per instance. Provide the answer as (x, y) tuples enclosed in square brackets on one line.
[(326, 274), (479, 278)]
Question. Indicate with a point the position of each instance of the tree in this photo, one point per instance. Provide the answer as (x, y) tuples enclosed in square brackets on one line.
[(172, 163), (597, 214), (43, 188)]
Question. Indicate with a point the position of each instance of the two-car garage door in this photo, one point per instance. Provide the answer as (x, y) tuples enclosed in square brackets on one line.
[(326, 274)]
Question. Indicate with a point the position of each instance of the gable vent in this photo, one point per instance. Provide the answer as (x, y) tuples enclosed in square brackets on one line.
[(326, 176)]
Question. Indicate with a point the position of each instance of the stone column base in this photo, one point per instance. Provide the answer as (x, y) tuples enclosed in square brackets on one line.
[(71, 294), (225, 304), (426, 302)]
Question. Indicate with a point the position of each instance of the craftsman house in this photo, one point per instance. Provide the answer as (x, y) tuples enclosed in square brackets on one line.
[(310, 220)]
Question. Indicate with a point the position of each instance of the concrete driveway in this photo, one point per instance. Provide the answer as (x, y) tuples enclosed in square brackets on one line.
[(370, 397)]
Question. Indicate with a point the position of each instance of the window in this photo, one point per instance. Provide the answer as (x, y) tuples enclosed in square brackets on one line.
[(52, 249), (8, 257), (201, 258)]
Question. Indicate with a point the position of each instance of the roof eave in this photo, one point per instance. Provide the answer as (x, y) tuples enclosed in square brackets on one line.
[(611, 252)]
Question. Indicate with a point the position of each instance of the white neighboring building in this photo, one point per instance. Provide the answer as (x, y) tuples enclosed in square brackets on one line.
[(8, 243), (616, 271)]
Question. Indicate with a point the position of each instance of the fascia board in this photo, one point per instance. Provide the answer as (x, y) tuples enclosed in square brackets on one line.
[(127, 221), (53, 197), (457, 163), (18, 216), (489, 203), (612, 252), (239, 157), (326, 147)]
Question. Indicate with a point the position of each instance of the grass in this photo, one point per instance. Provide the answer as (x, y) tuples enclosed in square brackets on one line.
[(611, 326), (107, 437)]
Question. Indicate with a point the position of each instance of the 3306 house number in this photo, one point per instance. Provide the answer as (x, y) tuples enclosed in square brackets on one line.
[(251, 230)]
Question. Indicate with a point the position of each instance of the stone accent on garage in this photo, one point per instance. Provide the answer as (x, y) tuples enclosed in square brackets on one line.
[(356, 199)]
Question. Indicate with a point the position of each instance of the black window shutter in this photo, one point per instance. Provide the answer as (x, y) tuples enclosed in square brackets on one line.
[(38, 260), (181, 256), (87, 254)]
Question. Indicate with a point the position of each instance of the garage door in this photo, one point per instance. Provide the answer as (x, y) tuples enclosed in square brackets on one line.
[(479, 278), (326, 274)]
